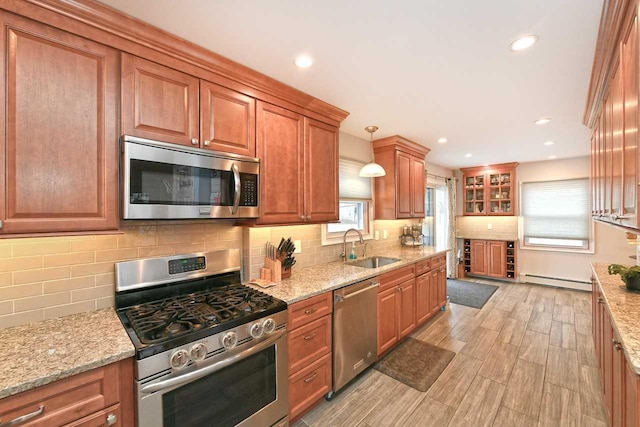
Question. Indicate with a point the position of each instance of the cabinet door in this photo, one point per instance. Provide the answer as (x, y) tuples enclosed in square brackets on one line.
[(107, 417), (479, 257), (608, 153), (474, 196), (418, 184), (158, 102), (403, 185), (423, 298), (617, 131), (227, 120), (607, 365), (435, 301), (387, 319), (617, 384), (442, 286), (280, 138), (407, 308), (321, 166), (59, 145), (630, 396), (630, 91), (497, 257)]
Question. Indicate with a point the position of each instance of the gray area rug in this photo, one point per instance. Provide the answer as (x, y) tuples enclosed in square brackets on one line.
[(415, 363), (469, 293)]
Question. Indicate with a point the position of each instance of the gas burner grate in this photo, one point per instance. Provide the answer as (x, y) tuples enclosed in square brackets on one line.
[(158, 321)]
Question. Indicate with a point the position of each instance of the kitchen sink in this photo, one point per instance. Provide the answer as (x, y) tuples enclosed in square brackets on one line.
[(373, 262)]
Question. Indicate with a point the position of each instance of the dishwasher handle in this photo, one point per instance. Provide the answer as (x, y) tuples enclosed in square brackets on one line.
[(337, 298)]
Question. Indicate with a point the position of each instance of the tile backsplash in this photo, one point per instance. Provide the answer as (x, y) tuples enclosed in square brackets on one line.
[(477, 227), (47, 277)]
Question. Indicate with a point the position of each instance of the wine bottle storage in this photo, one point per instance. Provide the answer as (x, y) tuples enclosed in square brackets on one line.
[(467, 255), (511, 260)]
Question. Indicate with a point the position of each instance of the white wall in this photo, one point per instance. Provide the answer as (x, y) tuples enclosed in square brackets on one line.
[(354, 148), (610, 242)]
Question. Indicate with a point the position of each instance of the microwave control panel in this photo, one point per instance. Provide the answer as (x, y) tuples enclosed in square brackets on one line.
[(185, 265), (249, 190)]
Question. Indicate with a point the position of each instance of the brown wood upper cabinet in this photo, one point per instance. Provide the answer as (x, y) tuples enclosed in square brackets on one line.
[(490, 190), (163, 104), (59, 164), (400, 193), (299, 182)]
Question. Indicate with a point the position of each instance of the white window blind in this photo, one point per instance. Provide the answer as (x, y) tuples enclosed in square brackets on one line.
[(352, 186), (556, 209)]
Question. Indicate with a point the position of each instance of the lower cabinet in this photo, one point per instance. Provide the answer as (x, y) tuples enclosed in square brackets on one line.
[(619, 382), (100, 397), (309, 345), (431, 288), (396, 306), (492, 258)]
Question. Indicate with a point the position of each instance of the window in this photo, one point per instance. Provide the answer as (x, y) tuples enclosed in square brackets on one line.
[(355, 205), (555, 214)]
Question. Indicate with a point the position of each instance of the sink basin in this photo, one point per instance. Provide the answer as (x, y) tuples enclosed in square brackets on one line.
[(373, 262)]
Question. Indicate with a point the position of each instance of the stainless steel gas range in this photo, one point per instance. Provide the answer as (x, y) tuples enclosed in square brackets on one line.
[(210, 351)]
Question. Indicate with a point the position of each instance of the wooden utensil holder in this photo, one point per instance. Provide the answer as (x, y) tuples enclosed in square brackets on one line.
[(276, 268)]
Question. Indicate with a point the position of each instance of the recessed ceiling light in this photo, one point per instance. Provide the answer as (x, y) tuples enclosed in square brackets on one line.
[(467, 155), (303, 61), (442, 140), (542, 121), (549, 143), (523, 43), (551, 157)]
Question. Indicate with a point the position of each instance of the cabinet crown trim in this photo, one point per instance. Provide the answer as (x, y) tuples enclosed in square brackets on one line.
[(401, 143), (488, 169)]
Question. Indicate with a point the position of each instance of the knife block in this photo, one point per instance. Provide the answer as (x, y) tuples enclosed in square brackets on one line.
[(276, 268), (285, 273)]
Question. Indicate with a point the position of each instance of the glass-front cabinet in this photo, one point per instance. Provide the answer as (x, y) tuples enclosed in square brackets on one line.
[(490, 190)]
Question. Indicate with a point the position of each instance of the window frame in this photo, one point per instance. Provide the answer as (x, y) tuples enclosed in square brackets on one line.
[(590, 241), (328, 238)]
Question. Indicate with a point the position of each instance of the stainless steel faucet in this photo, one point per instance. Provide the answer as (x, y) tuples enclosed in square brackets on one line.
[(344, 242)]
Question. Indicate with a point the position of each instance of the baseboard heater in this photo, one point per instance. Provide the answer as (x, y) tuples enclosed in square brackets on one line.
[(555, 281)]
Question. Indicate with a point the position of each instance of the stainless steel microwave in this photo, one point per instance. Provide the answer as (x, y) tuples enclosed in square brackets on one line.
[(168, 181)]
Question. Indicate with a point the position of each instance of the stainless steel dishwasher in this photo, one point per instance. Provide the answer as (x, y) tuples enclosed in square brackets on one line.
[(355, 331)]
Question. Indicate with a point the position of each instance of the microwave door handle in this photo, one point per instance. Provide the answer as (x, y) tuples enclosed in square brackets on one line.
[(214, 367), (236, 188)]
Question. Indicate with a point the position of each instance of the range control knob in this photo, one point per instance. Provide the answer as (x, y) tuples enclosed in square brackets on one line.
[(198, 352), (179, 359), (229, 340), (269, 325), (256, 330)]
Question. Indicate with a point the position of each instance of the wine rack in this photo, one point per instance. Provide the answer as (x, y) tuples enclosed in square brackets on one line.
[(511, 260), (466, 257)]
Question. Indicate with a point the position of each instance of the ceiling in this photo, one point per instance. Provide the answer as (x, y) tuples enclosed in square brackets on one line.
[(423, 69)]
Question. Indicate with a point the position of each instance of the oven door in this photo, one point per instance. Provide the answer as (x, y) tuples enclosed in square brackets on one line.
[(246, 386), (165, 181)]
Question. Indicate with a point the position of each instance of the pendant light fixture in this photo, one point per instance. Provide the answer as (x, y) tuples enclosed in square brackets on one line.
[(372, 170)]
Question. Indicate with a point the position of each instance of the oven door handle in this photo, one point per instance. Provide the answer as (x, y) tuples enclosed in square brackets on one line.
[(207, 370), (236, 189)]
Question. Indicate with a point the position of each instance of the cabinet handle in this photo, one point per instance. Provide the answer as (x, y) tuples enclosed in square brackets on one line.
[(23, 418), (308, 218), (614, 217), (112, 419), (600, 300), (207, 143), (1, 224), (311, 377), (302, 217), (311, 310), (310, 337), (194, 141)]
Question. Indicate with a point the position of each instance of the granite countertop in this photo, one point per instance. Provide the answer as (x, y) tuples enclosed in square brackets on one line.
[(40, 353), (310, 281), (623, 306)]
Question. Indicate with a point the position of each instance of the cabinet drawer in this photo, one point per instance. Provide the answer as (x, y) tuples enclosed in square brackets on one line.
[(309, 385), (101, 419), (66, 400), (438, 261), (308, 343), (309, 310), (423, 266), (395, 277)]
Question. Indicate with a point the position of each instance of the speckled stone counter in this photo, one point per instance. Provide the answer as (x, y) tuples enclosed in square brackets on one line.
[(39, 353), (310, 281), (624, 307)]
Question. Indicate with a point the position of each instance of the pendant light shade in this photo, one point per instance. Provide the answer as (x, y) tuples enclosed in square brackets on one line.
[(372, 170)]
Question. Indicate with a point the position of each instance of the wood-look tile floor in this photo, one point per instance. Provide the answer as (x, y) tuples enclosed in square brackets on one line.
[(525, 359)]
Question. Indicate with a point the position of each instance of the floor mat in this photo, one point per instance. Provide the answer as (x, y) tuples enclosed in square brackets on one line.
[(415, 363), (469, 293)]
